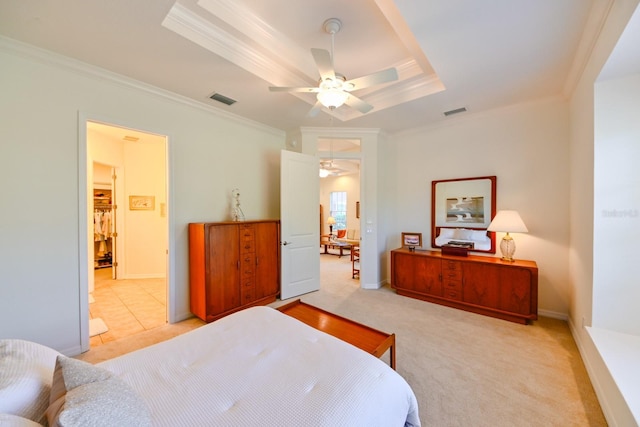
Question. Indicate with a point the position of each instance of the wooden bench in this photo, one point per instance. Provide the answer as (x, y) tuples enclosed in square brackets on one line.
[(365, 338)]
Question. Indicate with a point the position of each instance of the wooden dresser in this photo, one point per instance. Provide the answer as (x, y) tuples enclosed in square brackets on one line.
[(480, 284), (233, 265)]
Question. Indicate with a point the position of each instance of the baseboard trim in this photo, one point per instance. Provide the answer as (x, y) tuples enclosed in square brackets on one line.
[(553, 314)]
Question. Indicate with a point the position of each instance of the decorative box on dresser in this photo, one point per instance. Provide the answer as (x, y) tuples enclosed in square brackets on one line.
[(233, 265), (480, 284)]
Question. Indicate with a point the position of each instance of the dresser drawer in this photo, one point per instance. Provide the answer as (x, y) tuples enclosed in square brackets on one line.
[(247, 296), (247, 247), (452, 275), (247, 265), (452, 285), (247, 238), (247, 284), (448, 265)]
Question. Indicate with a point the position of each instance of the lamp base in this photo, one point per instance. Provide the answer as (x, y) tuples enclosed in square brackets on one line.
[(508, 248)]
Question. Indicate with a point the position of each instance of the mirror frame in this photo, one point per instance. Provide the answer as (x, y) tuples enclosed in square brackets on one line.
[(484, 186)]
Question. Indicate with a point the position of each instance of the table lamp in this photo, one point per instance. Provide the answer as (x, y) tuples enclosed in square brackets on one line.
[(507, 222), (331, 220)]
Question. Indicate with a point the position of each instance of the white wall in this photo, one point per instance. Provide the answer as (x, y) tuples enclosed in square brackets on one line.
[(145, 231), (527, 148), (43, 96), (617, 205)]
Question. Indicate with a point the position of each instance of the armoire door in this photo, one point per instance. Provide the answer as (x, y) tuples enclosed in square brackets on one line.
[(222, 269), (267, 259)]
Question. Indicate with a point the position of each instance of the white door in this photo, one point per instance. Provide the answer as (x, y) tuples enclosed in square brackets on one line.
[(299, 231)]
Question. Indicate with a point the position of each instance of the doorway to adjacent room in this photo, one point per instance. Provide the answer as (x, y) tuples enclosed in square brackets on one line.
[(127, 232), (340, 184)]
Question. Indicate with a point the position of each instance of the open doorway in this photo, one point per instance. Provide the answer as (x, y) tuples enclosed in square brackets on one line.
[(127, 245), (340, 190)]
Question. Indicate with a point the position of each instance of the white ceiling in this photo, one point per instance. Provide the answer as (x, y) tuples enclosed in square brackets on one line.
[(477, 54)]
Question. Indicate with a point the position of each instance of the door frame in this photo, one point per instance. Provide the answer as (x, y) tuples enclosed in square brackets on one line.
[(85, 179)]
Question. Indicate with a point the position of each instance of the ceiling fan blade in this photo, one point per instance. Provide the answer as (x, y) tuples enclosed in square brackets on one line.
[(358, 104), (384, 76), (293, 89), (324, 63), (315, 110)]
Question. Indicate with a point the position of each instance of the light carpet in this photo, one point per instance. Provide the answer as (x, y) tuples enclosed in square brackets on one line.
[(465, 369)]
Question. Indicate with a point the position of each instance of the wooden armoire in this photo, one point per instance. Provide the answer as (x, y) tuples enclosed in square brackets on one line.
[(233, 265)]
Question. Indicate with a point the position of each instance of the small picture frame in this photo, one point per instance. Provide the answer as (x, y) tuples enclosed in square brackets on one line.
[(411, 240), (142, 203)]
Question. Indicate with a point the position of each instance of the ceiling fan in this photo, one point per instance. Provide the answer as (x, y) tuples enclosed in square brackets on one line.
[(333, 88), (328, 168)]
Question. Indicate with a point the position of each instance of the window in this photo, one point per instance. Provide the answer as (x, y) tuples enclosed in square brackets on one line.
[(338, 209)]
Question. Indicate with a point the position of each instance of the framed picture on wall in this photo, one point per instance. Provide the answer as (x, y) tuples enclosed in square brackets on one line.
[(142, 203)]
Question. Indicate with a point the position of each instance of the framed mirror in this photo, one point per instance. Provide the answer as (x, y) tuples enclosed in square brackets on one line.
[(461, 211)]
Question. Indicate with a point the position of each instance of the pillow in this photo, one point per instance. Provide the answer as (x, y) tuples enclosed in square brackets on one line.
[(86, 395), (341, 233), (446, 232), (479, 235), (16, 421), (463, 234), (26, 369)]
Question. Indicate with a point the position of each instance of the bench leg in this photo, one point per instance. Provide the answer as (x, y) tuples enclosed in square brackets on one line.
[(392, 356)]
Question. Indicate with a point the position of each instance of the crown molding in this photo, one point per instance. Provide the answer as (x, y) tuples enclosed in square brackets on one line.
[(49, 58), (244, 20), (193, 27), (593, 28)]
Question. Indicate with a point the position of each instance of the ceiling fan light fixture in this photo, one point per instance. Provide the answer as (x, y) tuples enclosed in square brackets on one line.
[(332, 98), (334, 89)]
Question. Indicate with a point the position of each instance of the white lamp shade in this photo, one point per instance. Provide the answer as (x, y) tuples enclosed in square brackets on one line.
[(332, 98), (331, 220), (508, 222)]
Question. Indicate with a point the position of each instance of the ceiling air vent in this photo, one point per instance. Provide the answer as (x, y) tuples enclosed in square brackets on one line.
[(222, 98), (456, 111)]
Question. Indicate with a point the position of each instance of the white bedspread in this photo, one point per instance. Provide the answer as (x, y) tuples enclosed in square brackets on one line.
[(259, 367)]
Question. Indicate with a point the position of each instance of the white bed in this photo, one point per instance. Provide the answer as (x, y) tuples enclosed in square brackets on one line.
[(262, 367)]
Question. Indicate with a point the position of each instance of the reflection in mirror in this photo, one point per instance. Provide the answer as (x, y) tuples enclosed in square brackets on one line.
[(461, 211)]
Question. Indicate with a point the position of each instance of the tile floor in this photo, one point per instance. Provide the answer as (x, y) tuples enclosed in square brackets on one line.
[(127, 306)]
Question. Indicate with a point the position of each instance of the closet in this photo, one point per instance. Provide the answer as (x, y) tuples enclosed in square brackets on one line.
[(103, 228)]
